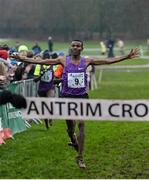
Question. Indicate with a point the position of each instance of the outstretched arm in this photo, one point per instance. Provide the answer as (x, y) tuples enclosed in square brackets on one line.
[(37, 60), (133, 54)]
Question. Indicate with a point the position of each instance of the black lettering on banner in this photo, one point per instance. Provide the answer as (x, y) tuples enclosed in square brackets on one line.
[(110, 110), (32, 107), (45, 106), (60, 106), (72, 106), (137, 112), (81, 109), (93, 112), (126, 108)]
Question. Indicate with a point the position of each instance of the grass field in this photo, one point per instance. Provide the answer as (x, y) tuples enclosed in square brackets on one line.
[(113, 150), (63, 46)]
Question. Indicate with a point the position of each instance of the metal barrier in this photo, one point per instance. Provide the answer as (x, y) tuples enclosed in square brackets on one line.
[(27, 88)]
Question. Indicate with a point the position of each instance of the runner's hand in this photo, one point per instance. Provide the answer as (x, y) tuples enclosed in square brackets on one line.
[(133, 53)]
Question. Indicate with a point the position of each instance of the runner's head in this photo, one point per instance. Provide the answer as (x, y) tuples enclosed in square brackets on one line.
[(76, 47)]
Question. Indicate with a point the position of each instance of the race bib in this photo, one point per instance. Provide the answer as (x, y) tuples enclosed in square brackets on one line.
[(47, 76), (76, 80)]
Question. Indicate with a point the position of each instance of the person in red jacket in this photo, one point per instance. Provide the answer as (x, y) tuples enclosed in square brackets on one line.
[(59, 71), (4, 51)]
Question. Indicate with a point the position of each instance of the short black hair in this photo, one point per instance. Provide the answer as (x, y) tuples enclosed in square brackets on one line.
[(5, 47), (46, 54), (78, 41), (54, 55)]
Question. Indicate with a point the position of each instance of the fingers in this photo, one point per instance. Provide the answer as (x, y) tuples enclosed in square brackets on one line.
[(134, 53)]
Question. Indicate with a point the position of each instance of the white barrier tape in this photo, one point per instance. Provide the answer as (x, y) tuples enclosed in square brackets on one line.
[(144, 57), (123, 66), (103, 56), (87, 109)]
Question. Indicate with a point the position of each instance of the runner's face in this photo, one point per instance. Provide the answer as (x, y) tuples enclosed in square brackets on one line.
[(76, 48)]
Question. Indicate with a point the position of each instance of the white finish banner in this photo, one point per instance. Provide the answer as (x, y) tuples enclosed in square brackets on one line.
[(86, 109)]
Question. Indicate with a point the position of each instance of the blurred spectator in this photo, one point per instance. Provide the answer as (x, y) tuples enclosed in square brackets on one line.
[(61, 53), (11, 50), (4, 51), (17, 46), (58, 71), (120, 44), (54, 55), (110, 47), (28, 68), (5, 47), (12, 70), (36, 48), (45, 74), (69, 52), (90, 73), (18, 72), (148, 42), (25, 70), (103, 48), (3, 54), (5, 69), (23, 49), (28, 71), (147, 46), (58, 68), (50, 44)]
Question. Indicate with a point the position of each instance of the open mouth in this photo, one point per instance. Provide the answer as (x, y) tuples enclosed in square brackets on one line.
[(75, 51)]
